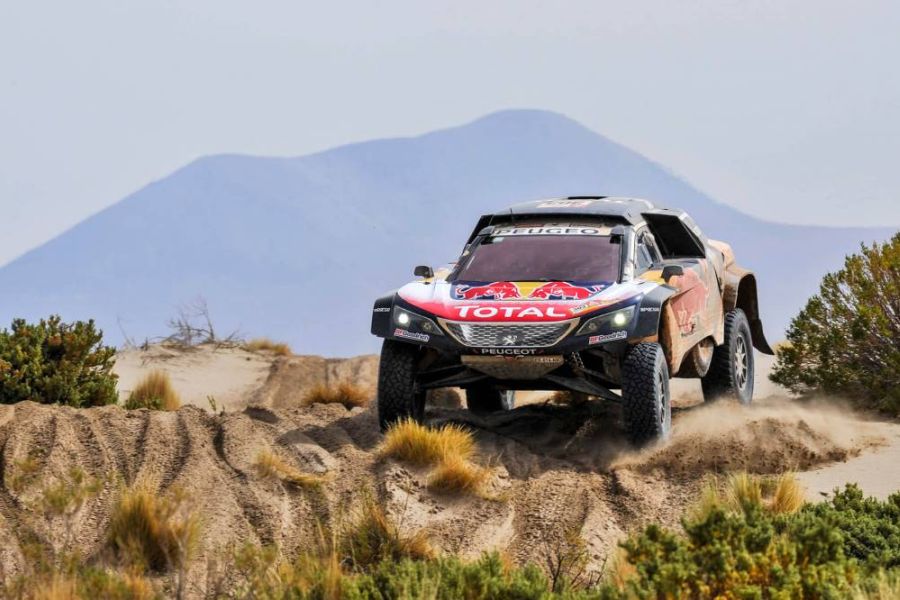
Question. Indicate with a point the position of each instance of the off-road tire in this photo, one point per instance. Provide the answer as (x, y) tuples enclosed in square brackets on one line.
[(731, 373), (646, 405), (483, 400), (398, 398)]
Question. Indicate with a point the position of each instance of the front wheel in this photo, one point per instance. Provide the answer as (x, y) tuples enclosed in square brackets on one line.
[(646, 405), (398, 398), (731, 373), (483, 399)]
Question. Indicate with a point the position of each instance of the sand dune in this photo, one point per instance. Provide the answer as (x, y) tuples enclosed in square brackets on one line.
[(555, 468)]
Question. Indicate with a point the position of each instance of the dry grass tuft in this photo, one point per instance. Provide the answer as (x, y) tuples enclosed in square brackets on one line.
[(449, 449), (155, 392), (373, 537), (80, 584), (416, 444), (620, 570), (271, 466), (264, 344), (148, 531), (58, 587), (348, 394), (24, 473), (458, 475), (789, 495), (743, 493), (884, 586)]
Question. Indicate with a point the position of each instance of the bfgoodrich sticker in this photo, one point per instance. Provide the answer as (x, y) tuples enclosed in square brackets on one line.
[(609, 337), (410, 335)]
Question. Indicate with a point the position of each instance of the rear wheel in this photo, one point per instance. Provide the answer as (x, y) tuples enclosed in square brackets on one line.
[(731, 373), (646, 405), (484, 399), (398, 398)]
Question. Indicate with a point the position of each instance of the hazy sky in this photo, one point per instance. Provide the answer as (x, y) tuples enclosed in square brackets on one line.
[(787, 110)]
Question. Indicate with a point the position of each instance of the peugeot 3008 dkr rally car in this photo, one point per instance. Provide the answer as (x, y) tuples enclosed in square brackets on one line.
[(600, 296)]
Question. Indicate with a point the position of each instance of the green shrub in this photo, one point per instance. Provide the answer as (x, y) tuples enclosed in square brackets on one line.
[(846, 341), (56, 363), (870, 528), (450, 579), (749, 548), (738, 555)]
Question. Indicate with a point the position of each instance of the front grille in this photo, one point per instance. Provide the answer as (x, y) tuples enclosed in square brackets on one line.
[(508, 335)]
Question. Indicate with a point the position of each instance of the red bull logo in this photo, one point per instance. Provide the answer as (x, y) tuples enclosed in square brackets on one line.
[(499, 290), (561, 290)]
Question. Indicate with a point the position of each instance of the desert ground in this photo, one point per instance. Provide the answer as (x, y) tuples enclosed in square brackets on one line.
[(555, 468)]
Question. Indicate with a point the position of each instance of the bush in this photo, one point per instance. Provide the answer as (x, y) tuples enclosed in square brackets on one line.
[(348, 394), (56, 363), (752, 542), (846, 341), (738, 555), (261, 575), (870, 528), (450, 579), (155, 392)]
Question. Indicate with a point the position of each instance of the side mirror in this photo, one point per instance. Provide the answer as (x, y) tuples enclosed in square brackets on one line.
[(423, 271), (672, 271)]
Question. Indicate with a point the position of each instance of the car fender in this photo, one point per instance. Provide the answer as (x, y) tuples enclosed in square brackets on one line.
[(740, 292), (650, 313), (381, 315)]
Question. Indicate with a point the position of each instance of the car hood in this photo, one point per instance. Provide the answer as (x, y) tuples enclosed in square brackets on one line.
[(517, 300)]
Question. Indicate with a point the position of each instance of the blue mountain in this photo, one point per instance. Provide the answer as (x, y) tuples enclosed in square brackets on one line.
[(297, 248)]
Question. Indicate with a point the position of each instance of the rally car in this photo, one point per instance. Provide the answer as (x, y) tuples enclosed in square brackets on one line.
[(605, 297)]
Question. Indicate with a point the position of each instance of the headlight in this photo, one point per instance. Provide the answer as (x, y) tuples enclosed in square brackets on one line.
[(613, 320), (414, 322)]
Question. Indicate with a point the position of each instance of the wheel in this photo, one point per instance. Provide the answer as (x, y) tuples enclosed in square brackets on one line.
[(483, 399), (397, 395), (731, 373), (646, 405)]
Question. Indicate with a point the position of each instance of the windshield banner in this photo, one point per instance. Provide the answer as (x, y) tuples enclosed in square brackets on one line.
[(551, 229)]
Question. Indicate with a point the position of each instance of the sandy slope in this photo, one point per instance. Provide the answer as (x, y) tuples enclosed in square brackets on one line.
[(234, 377), (556, 468)]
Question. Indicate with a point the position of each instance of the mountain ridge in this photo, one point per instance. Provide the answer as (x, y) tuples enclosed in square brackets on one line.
[(298, 247)]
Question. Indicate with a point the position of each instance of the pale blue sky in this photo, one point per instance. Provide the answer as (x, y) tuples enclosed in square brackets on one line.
[(787, 110)]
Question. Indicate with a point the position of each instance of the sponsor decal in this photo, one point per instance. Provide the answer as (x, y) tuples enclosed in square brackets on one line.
[(411, 335), (509, 290), (550, 230), (691, 300), (565, 203), (649, 309), (561, 290), (585, 307), (508, 312), (382, 309), (509, 351), (499, 290), (609, 337)]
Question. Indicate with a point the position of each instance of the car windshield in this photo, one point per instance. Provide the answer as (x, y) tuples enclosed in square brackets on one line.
[(542, 258)]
